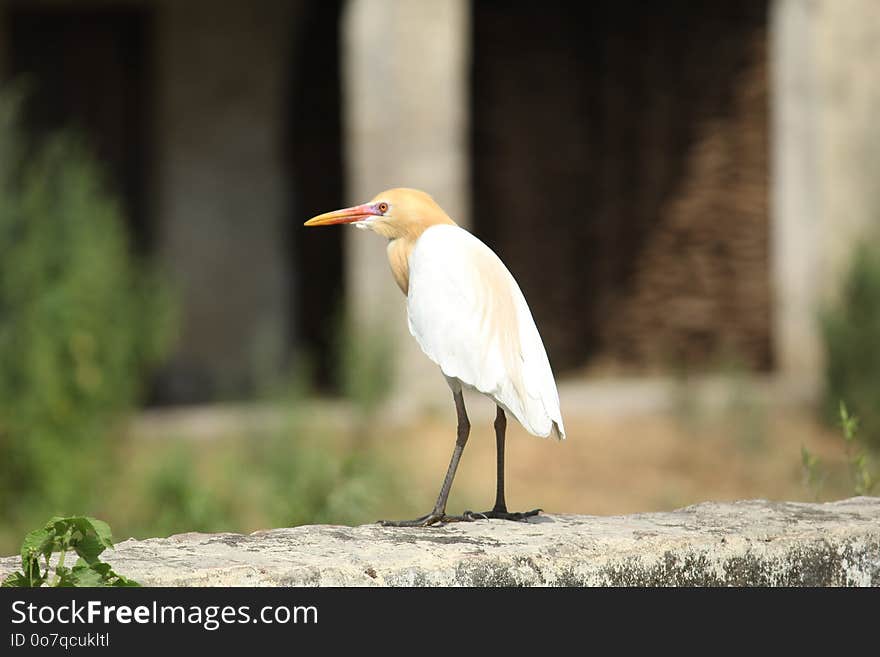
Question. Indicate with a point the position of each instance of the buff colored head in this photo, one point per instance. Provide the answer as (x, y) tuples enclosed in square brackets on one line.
[(395, 213)]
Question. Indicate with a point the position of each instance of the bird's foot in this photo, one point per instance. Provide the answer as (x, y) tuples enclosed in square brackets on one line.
[(432, 518), (435, 518), (501, 514)]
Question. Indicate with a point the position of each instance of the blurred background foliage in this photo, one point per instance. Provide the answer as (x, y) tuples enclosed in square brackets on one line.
[(83, 324), (81, 321), (851, 334)]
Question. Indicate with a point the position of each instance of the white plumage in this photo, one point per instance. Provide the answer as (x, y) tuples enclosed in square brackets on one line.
[(470, 317)]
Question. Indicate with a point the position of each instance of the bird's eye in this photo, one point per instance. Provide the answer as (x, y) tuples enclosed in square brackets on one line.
[(383, 208)]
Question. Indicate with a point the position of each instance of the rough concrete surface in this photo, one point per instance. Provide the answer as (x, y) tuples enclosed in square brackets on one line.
[(750, 543)]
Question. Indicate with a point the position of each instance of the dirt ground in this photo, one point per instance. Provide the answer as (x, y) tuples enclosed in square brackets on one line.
[(627, 464), (630, 452)]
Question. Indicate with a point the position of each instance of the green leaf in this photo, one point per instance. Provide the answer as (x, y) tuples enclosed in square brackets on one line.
[(112, 578), (102, 531), (35, 543), (87, 576), (124, 581), (103, 569), (17, 580), (80, 524), (87, 527), (31, 571), (65, 577), (89, 548), (59, 525)]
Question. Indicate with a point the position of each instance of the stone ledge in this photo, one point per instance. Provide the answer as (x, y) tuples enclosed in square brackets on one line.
[(750, 543)]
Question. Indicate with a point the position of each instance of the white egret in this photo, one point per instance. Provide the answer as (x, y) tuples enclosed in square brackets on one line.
[(470, 317)]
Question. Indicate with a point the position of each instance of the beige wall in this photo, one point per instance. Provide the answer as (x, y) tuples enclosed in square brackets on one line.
[(406, 90), (849, 65), (825, 100)]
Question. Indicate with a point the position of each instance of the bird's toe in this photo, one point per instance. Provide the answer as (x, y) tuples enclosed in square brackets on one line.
[(423, 521), (517, 516)]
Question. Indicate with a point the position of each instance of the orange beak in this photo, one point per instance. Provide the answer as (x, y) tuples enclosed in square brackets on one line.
[(344, 216)]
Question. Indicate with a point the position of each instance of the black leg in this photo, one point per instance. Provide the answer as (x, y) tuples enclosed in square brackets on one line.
[(499, 511), (438, 514), (500, 430)]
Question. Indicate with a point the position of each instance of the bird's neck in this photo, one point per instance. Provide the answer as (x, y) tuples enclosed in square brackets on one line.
[(399, 251), (402, 240)]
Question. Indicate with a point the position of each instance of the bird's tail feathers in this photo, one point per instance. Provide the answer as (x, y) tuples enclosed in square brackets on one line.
[(558, 430)]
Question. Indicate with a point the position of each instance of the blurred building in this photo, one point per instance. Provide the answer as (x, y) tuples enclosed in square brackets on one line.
[(674, 185)]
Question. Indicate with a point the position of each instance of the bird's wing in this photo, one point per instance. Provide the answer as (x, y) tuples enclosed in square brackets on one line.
[(469, 316)]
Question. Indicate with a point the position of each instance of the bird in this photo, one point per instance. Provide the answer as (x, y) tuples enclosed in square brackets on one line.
[(469, 316)]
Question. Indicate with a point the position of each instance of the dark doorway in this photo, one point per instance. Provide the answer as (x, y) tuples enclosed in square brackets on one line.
[(620, 170), (315, 148), (88, 70)]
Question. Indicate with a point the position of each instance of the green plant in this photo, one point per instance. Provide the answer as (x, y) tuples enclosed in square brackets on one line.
[(851, 332), (862, 478), (81, 323), (857, 460), (87, 537), (813, 474)]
